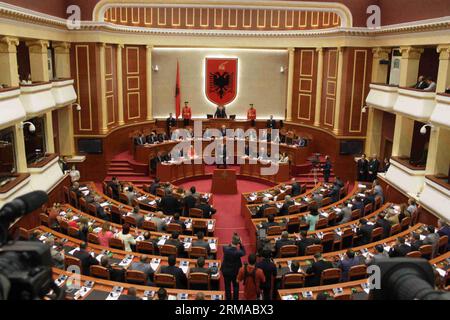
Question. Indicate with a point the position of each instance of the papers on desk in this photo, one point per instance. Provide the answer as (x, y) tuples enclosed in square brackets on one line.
[(212, 246), (252, 198), (325, 214), (210, 225), (338, 231), (279, 205), (140, 238), (370, 223), (97, 230), (141, 198), (84, 290), (307, 294), (85, 193), (288, 297), (337, 209), (184, 265), (99, 258), (361, 195), (104, 204), (162, 240), (268, 195), (148, 295), (172, 297), (365, 287), (422, 237), (155, 263), (61, 279), (182, 296), (187, 243), (83, 188), (441, 272), (115, 293), (73, 251), (188, 223), (126, 261), (361, 186)]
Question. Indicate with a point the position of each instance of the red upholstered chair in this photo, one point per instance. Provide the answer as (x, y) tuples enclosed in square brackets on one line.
[(330, 276), (293, 280)]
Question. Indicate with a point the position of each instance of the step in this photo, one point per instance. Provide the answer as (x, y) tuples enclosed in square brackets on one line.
[(125, 174), (128, 169)]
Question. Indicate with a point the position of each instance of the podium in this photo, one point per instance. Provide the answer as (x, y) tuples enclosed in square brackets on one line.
[(224, 181)]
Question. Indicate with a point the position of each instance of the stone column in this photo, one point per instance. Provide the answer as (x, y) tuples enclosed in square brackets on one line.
[(443, 79), (380, 71), (39, 60), (8, 61), (62, 59), (290, 84), (49, 141), (19, 146), (319, 87), (102, 75)]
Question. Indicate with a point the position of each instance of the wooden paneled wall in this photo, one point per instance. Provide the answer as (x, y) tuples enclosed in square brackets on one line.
[(329, 87), (134, 83), (111, 85), (222, 18), (305, 81)]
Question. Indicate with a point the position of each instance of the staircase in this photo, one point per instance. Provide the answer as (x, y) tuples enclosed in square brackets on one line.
[(122, 167)]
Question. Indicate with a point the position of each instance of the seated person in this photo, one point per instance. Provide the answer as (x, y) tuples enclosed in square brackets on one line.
[(364, 231), (76, 188), (207, 209), (176, 219), (379, 255), (430, 85), (305, 241), (144, 266), (99, 210), (200, 267), (220, 113), (317, 267), (264, 206), (174, 241), (296, 189), (269, 223), (285, 207), (416, 243), (345, 214), (115, 187), (152, 137), (139, 218), (131, 295), (116, 272), (349, 260), (200, 242), (131, 195), (284, 241), (190, 200), (154, 186), (169, 204), (177, 272), (161, 224), (383, 223), (334, 193), (86, 259), (317, 198), (140, 140), (400, 249), (295, 266)]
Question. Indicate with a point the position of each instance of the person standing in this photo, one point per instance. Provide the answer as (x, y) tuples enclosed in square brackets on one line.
[(327, 169), (171, 122), (220, 113), (271, 123), (252, 277), (362, 167), (251, 115), (231, 264), (373, 167), (187, 113)]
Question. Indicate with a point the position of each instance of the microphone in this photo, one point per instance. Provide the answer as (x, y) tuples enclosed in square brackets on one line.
[(22, 205)]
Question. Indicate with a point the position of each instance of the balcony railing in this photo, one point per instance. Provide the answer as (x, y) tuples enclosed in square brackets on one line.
[(414, 103), (405, 176), (382, 96), (436, 195), (63, 92), (37, 98), (441, 112), (11, 108)]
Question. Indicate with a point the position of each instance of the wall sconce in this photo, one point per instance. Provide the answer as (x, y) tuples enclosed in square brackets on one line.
[(364, 109), (283, 69), (155, 68), (31, 128), (423, 129), (77, 106)]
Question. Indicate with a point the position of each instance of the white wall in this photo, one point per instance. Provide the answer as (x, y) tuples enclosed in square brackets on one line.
[(259, 81)]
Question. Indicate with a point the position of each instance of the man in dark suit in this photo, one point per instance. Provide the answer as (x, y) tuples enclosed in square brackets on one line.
[(152, 138), (131, 295), (231, 264), (317, 267), (400, 249), (200, 242), (200, 267), (334, 193), (326, 168), (177, 272), (269, 223), (144, 266), (285, 207), (207, 209), (171, 122), (176, 219), (115, 187), (154, 162), (362, 168), (421, 83), (140, 140), (190, 201), (372, 168), (305, 241), (162, 136), (284, 241), (270, 273), (296, 189), (364, 231), (271, 123), (86, 259), (169, 204), (383, 223), (154, 186), (347, 262), (358, 203), (264, 206), (99, 210), (220, 113), (416, 243), (174, 241), (76, 188)]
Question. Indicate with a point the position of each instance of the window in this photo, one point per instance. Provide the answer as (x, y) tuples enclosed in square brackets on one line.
[(35, 141), (7, 155)]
